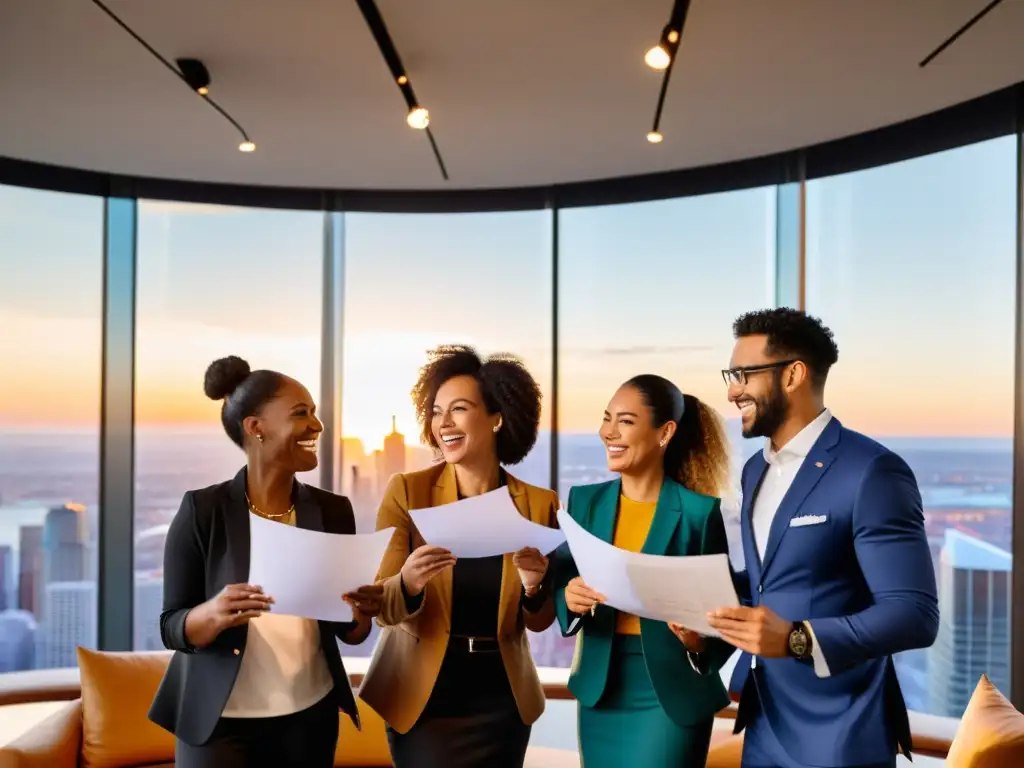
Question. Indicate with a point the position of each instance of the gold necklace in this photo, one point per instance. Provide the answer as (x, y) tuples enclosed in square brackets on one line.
[(257, 511)]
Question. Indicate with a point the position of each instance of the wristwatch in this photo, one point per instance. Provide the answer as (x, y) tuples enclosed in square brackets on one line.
[(799, 641)]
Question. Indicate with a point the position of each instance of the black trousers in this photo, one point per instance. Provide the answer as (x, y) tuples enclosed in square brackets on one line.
[(496, 739), (303, 739)]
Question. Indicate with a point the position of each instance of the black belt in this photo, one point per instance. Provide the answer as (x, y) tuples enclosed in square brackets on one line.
[(474, 644)]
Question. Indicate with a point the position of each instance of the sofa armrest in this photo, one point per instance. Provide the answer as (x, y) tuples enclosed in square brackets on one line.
[(54, 743), (63, 684)]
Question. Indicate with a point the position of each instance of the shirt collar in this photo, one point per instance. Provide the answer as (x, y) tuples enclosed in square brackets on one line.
[(801, 443)]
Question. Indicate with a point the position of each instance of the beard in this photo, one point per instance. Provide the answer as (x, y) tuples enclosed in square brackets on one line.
[(770, 413)]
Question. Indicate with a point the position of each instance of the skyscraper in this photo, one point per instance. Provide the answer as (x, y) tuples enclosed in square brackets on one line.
[(6, 577), (149, 590), (974, 622), (69, 620), (17, 641), (30, 569), (65, 536), (394, 452)]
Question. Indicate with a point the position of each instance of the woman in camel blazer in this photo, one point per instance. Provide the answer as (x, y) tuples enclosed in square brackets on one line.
[(452, 673)]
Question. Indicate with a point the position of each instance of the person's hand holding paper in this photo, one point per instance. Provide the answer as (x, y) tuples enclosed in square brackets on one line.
[(423, 564), (677, 590)]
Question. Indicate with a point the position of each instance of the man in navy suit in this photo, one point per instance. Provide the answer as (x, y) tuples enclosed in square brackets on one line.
[(838, 572)]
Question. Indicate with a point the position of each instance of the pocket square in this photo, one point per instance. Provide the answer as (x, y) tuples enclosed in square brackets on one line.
[(796, 522)]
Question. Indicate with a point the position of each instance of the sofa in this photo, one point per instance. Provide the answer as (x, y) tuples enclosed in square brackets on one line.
[(103, 723)]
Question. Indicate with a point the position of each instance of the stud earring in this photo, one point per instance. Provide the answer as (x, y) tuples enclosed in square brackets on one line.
[(260, 438), (662, 444), (497, 427)]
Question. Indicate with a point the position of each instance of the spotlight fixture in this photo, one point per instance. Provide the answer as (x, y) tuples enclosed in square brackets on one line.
[(662, 57), (192, 72), (417, 115), (956, 35), (195, 74), (418, 118)]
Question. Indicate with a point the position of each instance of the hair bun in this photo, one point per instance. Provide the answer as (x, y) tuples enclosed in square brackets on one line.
[(224, 375)]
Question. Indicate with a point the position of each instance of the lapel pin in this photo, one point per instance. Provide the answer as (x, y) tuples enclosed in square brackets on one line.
[(818, 464)]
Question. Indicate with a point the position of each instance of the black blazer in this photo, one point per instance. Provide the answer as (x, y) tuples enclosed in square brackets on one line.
[(207, 548)]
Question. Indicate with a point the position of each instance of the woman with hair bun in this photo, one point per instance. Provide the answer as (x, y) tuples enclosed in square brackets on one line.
[(452, 673), (245, 686), (648, 691)]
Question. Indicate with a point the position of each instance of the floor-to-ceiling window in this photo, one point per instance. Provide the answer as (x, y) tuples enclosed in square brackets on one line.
[(413, 282), (212, 281), (651, 288), (51, 301), (913, 267)]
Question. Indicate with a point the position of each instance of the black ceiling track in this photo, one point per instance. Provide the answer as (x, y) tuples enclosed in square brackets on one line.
[(956, 35), (177, 72), (379, 30), (671, 36)]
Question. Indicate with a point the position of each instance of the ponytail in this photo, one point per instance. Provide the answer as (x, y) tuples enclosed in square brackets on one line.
[(701, 456)]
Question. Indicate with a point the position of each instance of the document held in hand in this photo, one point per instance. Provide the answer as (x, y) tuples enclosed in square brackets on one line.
[(483, 526), (676, 589), (307, 572)]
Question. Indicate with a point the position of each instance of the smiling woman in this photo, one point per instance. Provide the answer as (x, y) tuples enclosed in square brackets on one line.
[(455, 632), (245, 684)]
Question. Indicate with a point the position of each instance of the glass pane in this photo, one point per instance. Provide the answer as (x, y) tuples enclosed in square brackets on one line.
[(921, 254), (212, 281), (654, 288), (413, 282), (51, 292)]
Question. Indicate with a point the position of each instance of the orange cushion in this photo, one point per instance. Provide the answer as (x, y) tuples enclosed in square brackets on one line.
[(368, 747), (117, 689), (726, 749), (991, 733)]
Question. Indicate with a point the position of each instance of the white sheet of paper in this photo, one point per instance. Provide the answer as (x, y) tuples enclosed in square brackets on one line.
[(483, 526), (675, 589), (307, 572)]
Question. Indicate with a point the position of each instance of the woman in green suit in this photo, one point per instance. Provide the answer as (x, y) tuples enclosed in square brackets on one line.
[(647, 691)]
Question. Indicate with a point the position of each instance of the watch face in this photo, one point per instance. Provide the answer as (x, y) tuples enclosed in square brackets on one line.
[(798, 642)]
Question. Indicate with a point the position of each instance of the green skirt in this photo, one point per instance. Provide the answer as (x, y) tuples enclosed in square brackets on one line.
[(628, 725)]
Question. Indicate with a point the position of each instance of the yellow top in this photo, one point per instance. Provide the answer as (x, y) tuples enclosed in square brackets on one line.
[(631, 527)]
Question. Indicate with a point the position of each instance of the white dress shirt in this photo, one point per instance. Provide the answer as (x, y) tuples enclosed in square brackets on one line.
[(782, 468)]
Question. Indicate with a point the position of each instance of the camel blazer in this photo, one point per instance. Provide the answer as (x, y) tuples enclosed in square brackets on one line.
[(410, 650)]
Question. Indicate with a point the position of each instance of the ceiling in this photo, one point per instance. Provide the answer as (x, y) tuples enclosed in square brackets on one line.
[(532, 92)]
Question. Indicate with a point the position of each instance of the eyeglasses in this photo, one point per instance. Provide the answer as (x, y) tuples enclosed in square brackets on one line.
[(738, 376)]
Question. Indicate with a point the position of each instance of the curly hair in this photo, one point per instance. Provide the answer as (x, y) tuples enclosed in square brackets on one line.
[(697, 456), (792, 333), (505, 385)]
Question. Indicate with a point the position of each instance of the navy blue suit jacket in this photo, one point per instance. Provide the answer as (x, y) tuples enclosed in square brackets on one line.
[(863, 578)]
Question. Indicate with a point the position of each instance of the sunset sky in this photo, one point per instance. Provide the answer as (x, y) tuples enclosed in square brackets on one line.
[(911, 265)]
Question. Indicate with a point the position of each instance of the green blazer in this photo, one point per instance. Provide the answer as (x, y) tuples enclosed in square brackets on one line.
[(685, 523)]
